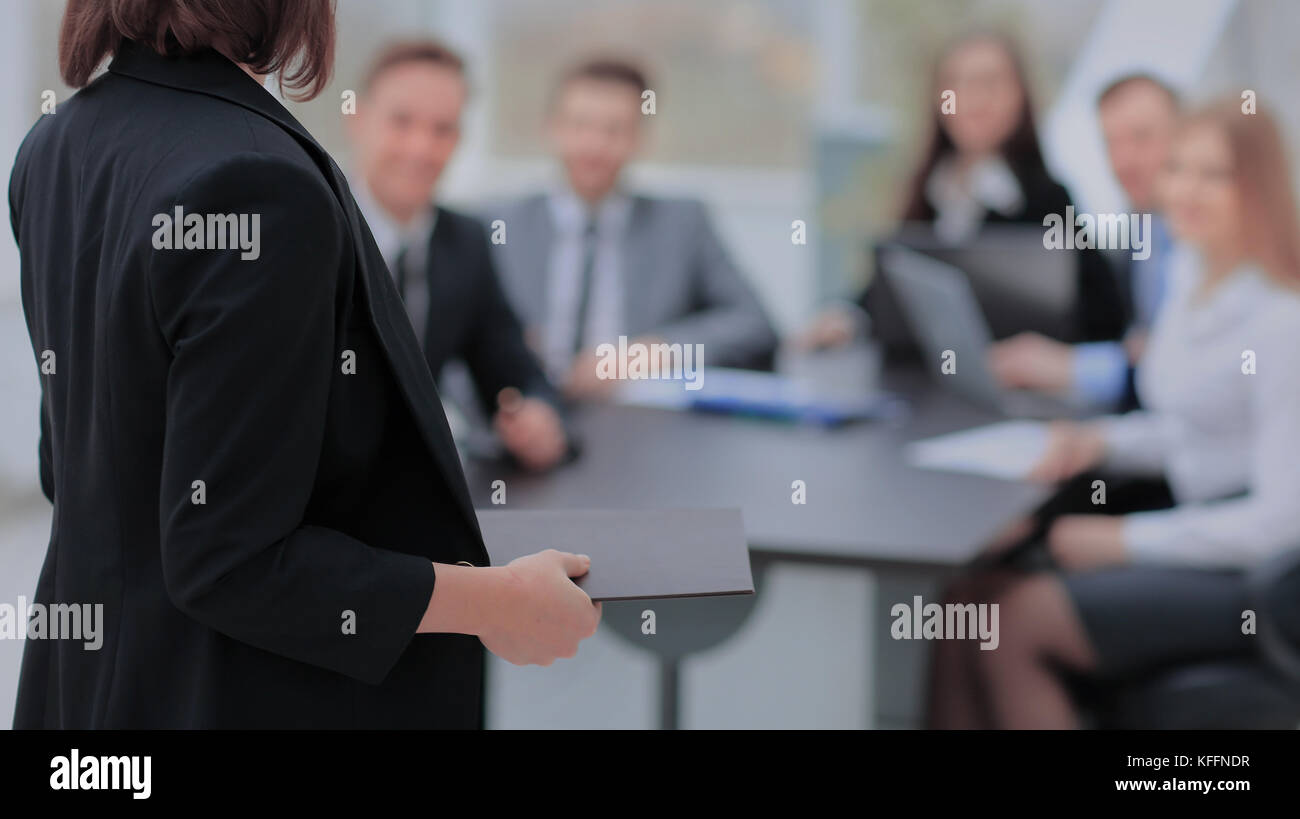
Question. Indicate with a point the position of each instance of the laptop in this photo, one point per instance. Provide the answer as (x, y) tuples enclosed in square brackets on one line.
[(940, 307), (1019, 285)]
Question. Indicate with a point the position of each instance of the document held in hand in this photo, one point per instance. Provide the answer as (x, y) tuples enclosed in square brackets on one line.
[(635, 553)]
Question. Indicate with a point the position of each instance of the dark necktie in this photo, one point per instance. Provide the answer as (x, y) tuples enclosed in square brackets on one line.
[(402, 278), (584, 284), (399, 271)]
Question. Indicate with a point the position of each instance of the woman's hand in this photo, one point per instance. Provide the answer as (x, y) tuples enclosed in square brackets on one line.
[(1029, 361), (835, 326), (538, 614), (530, 429), (584, 382), (1080, 542), (1071, 448)]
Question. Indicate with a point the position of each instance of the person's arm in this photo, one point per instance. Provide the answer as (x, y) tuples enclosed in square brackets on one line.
[(1099, 373), (527, 612), (1136, 442), (45, 453), (17, 182), (838, 322), (528, 414), (1101, 311), (496, 353), (730, 321), (253, 356), (1243, 530)]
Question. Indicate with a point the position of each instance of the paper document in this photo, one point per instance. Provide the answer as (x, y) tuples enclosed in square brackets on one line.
[(1006, 450)]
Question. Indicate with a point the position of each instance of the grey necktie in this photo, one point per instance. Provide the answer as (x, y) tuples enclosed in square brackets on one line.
[(584, 284), (402, 278)]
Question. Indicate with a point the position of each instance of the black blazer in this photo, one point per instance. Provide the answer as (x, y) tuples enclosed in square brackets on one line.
[(326, 492), (470, 318), (1101, 312)]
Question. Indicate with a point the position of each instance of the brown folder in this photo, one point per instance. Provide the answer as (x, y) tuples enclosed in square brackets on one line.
[(635, 553)]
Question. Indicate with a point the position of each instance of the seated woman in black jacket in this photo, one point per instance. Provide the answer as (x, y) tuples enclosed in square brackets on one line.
[(983, 166)]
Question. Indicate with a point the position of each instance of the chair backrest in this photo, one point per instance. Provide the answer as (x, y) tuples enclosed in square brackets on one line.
[(1243, 694)]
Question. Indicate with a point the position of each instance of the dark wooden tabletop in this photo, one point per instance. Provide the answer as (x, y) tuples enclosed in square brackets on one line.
[(865, 505)]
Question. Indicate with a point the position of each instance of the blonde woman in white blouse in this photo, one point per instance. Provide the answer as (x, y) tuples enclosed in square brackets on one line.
[(1220, 384)]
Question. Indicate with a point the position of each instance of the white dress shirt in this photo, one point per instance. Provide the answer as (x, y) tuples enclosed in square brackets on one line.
[(1228, 442), (605, 319), (391, 237), (961, 202)]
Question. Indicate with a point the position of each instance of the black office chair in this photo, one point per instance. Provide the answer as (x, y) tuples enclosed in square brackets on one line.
[(1252, 693)]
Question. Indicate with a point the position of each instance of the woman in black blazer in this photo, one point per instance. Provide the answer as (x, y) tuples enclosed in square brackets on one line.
[(982, 165), (248, 461)]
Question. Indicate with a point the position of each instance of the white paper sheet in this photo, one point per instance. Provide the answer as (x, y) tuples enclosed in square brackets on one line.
[(1007, 450)]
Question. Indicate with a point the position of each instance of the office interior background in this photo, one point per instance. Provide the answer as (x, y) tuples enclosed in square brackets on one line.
[(770, 111)]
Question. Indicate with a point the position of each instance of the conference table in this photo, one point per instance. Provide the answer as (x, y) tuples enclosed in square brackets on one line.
[(864, 505)]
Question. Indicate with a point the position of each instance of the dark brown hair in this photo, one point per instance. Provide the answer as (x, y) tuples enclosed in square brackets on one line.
[(1020, 151), (603, 69), (294, 37), (1261, 173), (412, 51), (1115, 86)]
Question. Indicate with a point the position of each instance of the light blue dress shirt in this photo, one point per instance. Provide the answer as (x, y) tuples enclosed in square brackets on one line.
[(1101, 368)]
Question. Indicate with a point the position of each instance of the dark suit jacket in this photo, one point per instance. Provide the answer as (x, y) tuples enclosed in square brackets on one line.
[(470, 318), (1101, 312), (679, 282), (1121, 262), (327, 493)]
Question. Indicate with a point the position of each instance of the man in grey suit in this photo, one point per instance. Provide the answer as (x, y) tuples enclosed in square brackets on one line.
[(588, 261)]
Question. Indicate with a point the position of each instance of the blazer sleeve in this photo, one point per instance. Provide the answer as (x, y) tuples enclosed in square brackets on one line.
[(496, 352), (46, 457), (1102, 315), (253, 356), (1101, 312), (45, 460), (729, 320)]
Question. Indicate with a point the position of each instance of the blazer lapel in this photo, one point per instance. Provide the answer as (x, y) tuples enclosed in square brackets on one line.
[(437, 261), (539, 231), (212, 74), (410, 367), (638, 255)]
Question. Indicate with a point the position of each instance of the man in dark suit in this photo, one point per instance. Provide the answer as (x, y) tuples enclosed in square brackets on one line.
[(405, 129), (248, 463), (1138, 114), (588, 260)]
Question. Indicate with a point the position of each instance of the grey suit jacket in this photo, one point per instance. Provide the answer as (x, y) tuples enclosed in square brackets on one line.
[(678, 281)]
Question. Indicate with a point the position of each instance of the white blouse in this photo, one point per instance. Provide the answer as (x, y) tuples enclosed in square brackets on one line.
[(1220, 384), (961, 203)]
